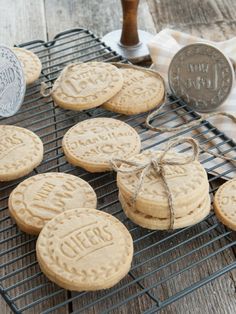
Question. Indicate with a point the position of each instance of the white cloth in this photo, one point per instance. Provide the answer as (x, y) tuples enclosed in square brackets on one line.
[(165, 45)]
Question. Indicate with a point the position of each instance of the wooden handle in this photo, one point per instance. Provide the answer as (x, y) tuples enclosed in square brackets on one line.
[(129, 35)]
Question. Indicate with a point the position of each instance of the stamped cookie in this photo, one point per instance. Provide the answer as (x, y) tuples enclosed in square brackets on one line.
[(86, 85), (225, 204), (188, 185), (91, 144), (84, 249), (38, 199), (146, 221), (20, 152), (31, 64), (142, 91)]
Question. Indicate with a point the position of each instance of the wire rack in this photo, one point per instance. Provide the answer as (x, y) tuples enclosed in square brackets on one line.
[(166, 265)]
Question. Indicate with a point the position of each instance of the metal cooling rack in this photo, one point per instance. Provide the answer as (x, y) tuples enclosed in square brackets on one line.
[(166, 265)]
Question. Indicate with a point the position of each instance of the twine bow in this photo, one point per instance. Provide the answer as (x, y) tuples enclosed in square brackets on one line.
[(158, 165)]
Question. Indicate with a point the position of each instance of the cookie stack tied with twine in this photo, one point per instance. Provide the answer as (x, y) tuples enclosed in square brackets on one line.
[(164, 190)]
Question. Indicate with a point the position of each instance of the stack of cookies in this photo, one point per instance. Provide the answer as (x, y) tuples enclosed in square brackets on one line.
[(150, 208)]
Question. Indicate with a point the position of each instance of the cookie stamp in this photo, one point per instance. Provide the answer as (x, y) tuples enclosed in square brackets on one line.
[(38, 199), (84, 249), (202, 76), (91, 144), (12, 83)]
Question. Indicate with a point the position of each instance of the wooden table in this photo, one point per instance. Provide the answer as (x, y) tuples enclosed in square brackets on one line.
[(25, 20)]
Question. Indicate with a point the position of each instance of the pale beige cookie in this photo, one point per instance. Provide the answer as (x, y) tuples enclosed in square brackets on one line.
[(84, 249), (188, 185), (91, 144), (146, 221), (142, 91), (225, 204), (31, 64), (86, 85), (38, 199), (20, 152)]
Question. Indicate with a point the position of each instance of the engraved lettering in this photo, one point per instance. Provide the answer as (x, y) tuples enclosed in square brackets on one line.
[(86, 241), (8, 143), (44, 192)]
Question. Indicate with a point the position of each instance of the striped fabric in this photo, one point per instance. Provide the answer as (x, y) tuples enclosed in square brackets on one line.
[(165, 45)]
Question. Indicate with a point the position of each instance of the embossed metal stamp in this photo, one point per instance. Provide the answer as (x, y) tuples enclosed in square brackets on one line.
[(12, 83), (201, 75)]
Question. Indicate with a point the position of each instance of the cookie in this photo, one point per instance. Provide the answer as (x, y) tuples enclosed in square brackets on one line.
[(31, 64), (20, 152), (38, 199), (154, 223), (142, 91), (188, 185), (225, 204), (91, 144), (86, 85), (84, 250)]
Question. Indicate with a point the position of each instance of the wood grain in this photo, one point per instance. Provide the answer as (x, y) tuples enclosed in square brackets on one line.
[(21, 21), (100, 17)]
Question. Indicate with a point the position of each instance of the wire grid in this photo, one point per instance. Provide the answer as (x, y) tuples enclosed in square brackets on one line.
[(166, 265)]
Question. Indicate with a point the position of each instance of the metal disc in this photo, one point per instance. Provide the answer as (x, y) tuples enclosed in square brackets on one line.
[(136, 53), (12, 83), (202, 76)]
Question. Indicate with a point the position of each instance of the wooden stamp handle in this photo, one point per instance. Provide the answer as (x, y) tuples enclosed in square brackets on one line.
[(129, 35)]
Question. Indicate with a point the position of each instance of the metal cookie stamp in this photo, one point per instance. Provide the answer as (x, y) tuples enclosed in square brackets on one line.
[(12, 83), (202, 76)]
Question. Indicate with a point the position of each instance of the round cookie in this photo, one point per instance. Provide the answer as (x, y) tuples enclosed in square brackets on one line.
[(86, 85), (225, 204), (91, 144), (188, 184), (142, 91), (20, 152), (31, 64), (155, 223), (38, 199), (84, 250)]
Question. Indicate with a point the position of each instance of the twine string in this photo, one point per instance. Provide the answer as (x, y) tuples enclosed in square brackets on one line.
[(187, 124), (158, 165), (44, 86)]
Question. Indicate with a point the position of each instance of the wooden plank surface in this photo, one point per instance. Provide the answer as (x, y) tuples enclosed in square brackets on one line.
[(24, 20), (21, 20)]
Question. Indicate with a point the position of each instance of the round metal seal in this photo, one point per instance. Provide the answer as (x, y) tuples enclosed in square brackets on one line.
[(12, 82), (201, 75)]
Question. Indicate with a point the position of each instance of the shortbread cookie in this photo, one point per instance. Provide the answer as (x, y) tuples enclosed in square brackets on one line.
[(20, 152), (38, 199), (91, 144), (146, 221), (142, 91), (188, 185), (225, 204), (84, 249), (86, 85), (31, 64)]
